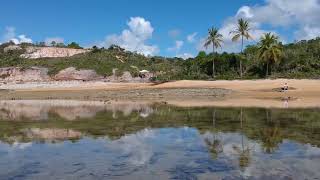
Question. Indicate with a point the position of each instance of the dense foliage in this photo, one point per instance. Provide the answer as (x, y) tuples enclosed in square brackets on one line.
[(298, 60)]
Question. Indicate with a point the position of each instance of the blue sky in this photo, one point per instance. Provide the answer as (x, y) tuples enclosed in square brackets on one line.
[(154, 27)]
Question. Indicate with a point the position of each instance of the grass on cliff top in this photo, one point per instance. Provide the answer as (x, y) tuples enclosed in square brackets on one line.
[(102, 61)]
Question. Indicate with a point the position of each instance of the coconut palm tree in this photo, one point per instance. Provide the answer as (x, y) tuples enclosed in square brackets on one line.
[(214, 38), (241, 32), (270, 49)]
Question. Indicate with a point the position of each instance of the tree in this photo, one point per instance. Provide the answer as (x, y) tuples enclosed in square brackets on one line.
[(270, 49), (214, 38), (53, 43), (242, 31), (116, 48), (201, 54), (60, 44), (74, 45), (95, 49), (42, 44)]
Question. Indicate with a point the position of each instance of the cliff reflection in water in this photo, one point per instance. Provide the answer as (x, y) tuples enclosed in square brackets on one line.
[(121, 140), (36, 110)]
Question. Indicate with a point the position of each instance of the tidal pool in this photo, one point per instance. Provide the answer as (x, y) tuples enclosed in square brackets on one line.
[(101, 140)]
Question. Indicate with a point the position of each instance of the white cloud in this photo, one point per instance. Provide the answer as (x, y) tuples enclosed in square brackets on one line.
[(307, 32), (48, 40), (174, 33), (10, 35), (185, 55), (288, 14), (134, 38), (191, 37), (301, 15), (178, 45), (24, 39)]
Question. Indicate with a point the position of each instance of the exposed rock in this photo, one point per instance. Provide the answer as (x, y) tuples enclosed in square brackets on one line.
[(127, 77), (69, 110), (36, 74), (12, 48), (16, 74), (41, 52), (72, 73), (51, 134)]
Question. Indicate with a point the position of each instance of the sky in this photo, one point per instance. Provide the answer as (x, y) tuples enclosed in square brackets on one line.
[(158, 27)]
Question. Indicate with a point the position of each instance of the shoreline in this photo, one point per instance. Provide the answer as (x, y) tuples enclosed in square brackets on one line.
[(236, 93)]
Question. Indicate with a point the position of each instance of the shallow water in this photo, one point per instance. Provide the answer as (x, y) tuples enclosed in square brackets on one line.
[(98, 140)]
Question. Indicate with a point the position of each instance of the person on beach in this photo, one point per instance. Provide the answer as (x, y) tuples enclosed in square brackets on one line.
[(285, 87)]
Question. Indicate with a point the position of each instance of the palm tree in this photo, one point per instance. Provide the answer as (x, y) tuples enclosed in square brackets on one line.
[(242, 31), (270, 49), (214, 38)]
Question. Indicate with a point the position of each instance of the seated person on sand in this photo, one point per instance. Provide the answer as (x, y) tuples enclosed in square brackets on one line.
[(285, 87)]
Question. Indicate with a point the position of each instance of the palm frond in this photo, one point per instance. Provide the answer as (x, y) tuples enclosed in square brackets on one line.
[(236, 37), (214, 38), (207, 43)]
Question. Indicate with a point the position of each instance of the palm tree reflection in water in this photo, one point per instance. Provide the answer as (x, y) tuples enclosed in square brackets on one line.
[(271, 135), (244, 152), (214, 144)]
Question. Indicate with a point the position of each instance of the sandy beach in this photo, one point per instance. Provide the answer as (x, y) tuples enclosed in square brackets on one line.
[(245, 93)]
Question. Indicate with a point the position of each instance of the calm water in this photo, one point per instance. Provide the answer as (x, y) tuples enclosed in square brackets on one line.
[(96, 140)]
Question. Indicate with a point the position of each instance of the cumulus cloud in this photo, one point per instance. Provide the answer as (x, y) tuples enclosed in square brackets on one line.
[(10, 35), (134, 38), (178, 45), (295, 14), (49, 40), (303, 15), (24, 39), (191, 37)]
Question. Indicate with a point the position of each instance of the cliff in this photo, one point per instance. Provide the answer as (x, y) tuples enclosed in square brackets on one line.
[(16, 74), (51, 52)]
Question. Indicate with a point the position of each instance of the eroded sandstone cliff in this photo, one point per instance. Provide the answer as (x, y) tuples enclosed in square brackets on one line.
[(41, 52), (17, 74)]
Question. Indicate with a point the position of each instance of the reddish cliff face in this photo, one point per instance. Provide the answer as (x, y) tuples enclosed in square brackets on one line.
[(16, 74), (41, 52)]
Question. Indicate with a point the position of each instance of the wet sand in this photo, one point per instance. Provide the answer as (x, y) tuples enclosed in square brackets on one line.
[(246, 93)]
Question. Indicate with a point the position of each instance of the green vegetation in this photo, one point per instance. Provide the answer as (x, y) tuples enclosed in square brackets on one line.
[(268, 58), (74, 45), (270, 49), (100, 60)]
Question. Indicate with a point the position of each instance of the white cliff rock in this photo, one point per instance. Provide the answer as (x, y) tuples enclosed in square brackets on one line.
[(41, 52), (72, 73), (12, 48)]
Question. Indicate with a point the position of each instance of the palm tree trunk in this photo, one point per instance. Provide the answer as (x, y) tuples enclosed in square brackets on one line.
[(214, 118), (241, 129), (213, 54), (241, 57)]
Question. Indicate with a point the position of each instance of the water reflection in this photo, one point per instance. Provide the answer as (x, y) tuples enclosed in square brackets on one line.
[(151, 141), (36, 110)]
